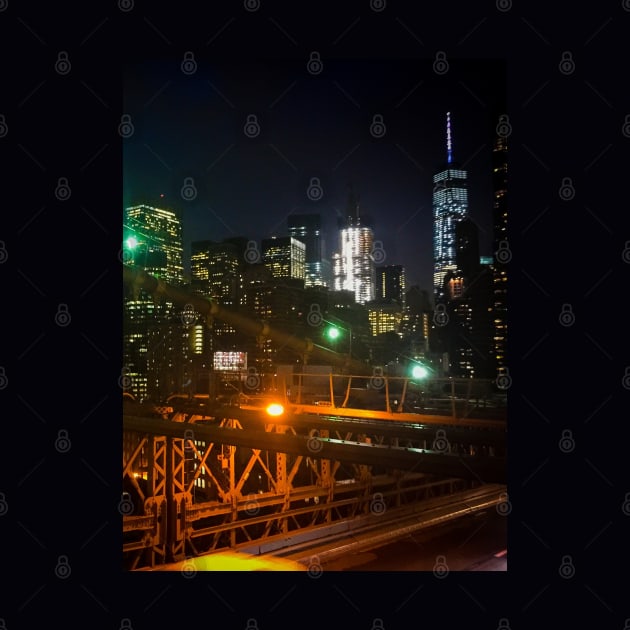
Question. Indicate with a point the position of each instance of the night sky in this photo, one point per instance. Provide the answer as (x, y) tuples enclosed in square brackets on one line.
[(312, 128)]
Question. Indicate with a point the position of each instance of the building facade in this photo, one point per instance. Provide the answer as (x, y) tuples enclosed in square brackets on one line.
[(307, 228), (284, 256), (469, 297), (217, 274), (390, 285), (152, 240), (502, 254), (156, 349), (384, 317), (353, 263), (450, 205), (216, 271)]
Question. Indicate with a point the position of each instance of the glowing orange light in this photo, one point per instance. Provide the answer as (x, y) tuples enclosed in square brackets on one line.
[(275, 409)]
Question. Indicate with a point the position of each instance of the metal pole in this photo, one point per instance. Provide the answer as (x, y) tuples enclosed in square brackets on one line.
[(402, 396), (350, 349)]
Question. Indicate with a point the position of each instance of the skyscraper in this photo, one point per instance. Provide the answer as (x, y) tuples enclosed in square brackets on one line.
[(450, 205), (284, 256), (353, 264), (154, 341), (152, 239), (467, 246), (216, 271), (384, 317), (468, 295), (280, 303), (308, 229), (502, 253), (390, 284)]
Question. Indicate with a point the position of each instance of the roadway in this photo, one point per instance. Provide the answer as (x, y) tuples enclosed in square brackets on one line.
[(473, 543)]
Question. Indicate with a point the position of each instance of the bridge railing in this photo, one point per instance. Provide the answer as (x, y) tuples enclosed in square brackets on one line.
[(457, 397)]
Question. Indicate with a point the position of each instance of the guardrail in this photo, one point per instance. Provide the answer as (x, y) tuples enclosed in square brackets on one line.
[(456, 397), (444, 396)]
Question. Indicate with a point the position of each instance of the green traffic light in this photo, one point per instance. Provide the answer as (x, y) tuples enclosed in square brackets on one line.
[(132, 242), (333, 333), (419, 371)]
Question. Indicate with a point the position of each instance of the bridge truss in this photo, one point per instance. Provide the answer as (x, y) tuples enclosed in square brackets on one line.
[(197, 483)]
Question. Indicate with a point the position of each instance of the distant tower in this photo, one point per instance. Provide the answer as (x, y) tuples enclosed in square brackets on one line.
[(502, 256), (353, 264), (308, 229), (450, 205)]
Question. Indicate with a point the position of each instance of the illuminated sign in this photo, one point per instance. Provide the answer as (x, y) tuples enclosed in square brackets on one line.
[(230, 361)]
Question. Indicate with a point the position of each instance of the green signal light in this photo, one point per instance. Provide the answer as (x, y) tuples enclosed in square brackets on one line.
[(333, 333), (419, 371), (132, 242)]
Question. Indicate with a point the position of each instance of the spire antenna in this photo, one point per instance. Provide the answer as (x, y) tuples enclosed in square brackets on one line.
[(449, 140)]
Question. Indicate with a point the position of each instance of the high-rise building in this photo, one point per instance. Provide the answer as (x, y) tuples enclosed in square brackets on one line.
[(416, 321), (467, 246), (390, 284), (280, 303), (284, 257), (502, 252), (384, 317), (353, 264), (152, 239), (216, 271), (307, 228), (450, 205), (155, 341), (468, 296)]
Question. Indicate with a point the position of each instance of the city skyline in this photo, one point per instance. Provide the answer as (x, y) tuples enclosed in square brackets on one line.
[(249, 328), (379, 128)]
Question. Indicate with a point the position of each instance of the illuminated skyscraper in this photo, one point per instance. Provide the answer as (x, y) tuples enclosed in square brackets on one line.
[(284, 256), (307, 228), (384, 317), (152, 239), (216, 271), (502, 253), (155, 343), (450, 205), (353, 264)]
